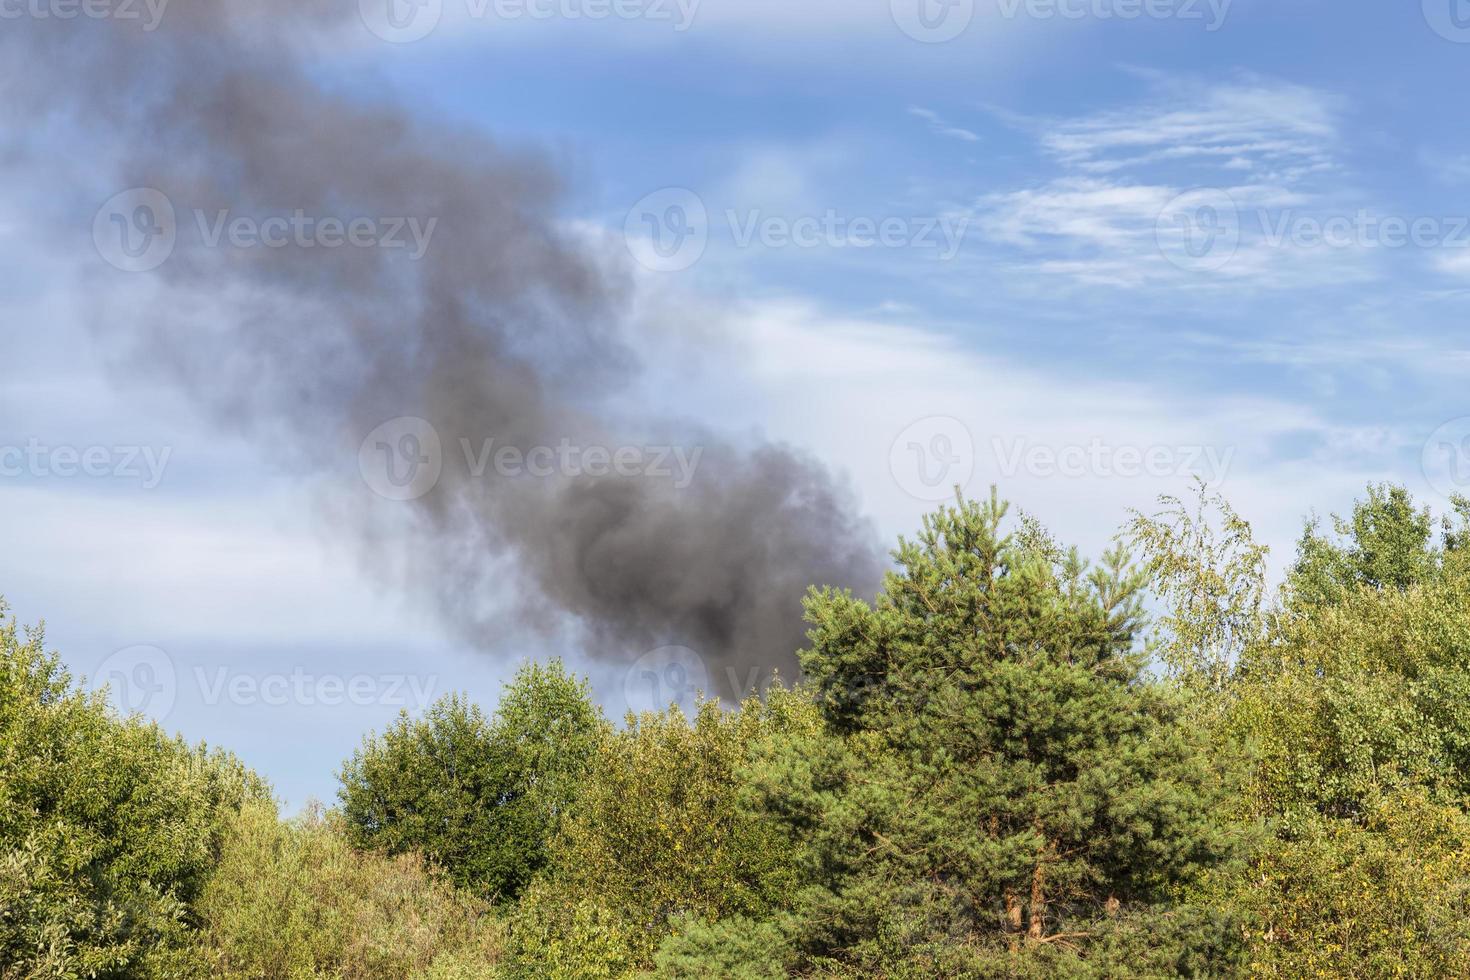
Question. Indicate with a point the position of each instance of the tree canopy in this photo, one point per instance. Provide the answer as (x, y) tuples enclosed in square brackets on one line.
[(1010, 762), (479, 797)]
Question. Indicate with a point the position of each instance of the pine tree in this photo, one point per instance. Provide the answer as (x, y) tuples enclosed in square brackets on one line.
[(1001, 788)]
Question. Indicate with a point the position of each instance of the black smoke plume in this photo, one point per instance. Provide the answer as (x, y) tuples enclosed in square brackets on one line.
[(509, 328)]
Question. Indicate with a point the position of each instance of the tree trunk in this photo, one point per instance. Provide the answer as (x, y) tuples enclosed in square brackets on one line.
[(1011, 899), (1038, 898), (1013, 920)]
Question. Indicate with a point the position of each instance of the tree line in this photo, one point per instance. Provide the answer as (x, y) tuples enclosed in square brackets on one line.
[(1011, 763)]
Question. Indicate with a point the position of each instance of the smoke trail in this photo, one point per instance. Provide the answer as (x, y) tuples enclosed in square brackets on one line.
[(506, 329)]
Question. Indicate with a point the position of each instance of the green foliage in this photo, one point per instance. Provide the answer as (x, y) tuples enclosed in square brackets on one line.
[(479, 797), (294, 900), (999, 783), (1348, 706), (1386, 544), (559, 934), (1362, 698), (977, 778), (1211, 575), (1385, 895), (736, 948), (661, 837), (108, 828)]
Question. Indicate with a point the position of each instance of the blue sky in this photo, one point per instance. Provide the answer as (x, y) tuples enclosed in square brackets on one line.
[(1106, 239)]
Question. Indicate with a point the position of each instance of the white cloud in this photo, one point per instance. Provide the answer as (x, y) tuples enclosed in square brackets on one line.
[(1447, 168), (1281, 132), (1101, 231), (779, 177), (1189, 188), (1455, 262), (847, 387), (940, 127), (251, 566), (1080, 209), (771, 29)]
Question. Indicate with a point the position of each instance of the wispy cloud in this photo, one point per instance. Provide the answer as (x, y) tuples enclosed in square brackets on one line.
[(1278, 132), (939, 126), (1002, 400), (1194, 179), (1454, 263), (1447, 168), (1102, 231)]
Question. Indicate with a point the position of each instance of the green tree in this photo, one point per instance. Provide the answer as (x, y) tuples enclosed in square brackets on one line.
[(1346, 701), (108, 828), (999, 790), (1387, 543), (663, 840), (1205, 566), (1386, 894), (480, 797)]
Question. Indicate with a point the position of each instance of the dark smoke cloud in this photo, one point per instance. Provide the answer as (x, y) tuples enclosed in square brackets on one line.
[(508, 328)]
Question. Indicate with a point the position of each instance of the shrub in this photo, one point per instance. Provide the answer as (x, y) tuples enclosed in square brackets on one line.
[(295, 900), (735, 949), (108, 827)]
